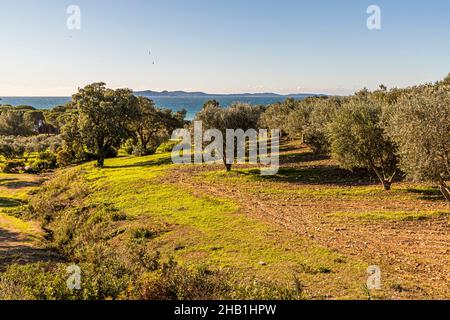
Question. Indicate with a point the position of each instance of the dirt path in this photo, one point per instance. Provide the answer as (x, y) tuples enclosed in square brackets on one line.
[(414, 256), (19, 247), (20, 241)]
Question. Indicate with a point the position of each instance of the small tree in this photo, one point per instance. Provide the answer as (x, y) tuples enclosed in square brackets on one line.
[(238, 116), (152, 126), (276, 116), (12, 147), (104, 116), (420, 126), (73, 145), (298, 120), (358, 140), (15, 123)]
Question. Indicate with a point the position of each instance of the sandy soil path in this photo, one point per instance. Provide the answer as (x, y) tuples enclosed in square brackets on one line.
[(19, 247)]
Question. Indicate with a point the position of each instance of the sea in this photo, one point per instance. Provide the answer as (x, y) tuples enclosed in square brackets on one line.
[(192, 104)]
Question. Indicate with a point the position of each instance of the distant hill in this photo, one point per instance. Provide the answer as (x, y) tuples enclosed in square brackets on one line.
[(150, 93)]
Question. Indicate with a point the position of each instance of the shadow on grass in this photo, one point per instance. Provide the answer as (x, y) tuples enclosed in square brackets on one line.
[(287, 147), (302, 157), (14, 251), (21, 184), (7, 180), (143, 164), (431, 194), (9, 203), (330, 175)]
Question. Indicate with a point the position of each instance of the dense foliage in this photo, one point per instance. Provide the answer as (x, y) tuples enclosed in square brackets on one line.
[(238, 116), (420, 126), (387, 131), (93, 126), (358, 140)]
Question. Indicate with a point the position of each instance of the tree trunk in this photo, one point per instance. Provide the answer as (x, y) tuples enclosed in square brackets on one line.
[(227, 166), (445, 190), (101, 160), (387, 185)]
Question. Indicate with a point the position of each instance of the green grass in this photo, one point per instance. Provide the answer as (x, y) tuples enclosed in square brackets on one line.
[(14, 191), (18, 225), (205, 230)]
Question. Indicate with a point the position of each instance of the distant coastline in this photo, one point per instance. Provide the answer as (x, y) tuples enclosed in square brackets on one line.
[(151, 93), (192, 102)]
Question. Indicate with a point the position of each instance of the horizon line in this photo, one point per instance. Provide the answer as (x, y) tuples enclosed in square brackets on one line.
[(187, 92)]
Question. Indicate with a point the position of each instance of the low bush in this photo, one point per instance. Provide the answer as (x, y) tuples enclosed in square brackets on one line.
[(115, 255), (45, 161), (13, 166), (115, 279)]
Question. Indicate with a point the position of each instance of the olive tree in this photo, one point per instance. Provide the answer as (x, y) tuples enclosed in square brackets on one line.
[(420, 126), (298, 120), (316, 134), (103, 117), (276, 116), (358, 140), (11, 147), (15, 123), (238, 116)]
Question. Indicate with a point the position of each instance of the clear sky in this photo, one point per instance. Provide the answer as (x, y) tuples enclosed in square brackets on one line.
[(221, 46)]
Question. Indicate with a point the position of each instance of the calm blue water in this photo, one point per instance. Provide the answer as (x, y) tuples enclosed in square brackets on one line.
[(191, 104)]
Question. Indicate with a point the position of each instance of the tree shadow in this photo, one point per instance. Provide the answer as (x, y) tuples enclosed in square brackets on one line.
[(22, 184), (430, 194), (9, 202), (7, 180), (317, 175), (13, 250), (302, 157), (287, 147), (143, 164)]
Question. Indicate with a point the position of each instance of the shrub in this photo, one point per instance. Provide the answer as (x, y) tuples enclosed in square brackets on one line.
[(12, 147), (13, 166), (45, 161), (276, 115), (298, 120), (63, 158)]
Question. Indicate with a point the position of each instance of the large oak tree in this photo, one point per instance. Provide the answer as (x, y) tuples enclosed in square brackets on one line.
[(103, 117)]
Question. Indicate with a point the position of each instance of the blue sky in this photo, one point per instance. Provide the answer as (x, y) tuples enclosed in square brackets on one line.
[(221, 46)]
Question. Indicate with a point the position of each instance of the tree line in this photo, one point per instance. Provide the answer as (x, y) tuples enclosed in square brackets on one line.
[(93, 126), (393, 133), (390, 132)]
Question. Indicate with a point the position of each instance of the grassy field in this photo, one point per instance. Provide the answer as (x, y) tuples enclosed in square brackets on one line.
[(210, 230), (313, 222)]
